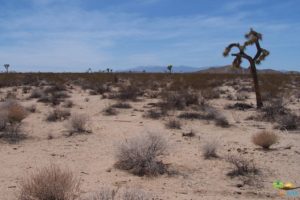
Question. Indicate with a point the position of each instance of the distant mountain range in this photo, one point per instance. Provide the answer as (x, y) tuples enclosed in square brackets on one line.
[(215, 70), (161, 69)]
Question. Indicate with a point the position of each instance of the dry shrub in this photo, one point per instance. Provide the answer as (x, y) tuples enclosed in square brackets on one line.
[(190, 115), (272, 109), (135, 194), (129, 92), (173, 124), (179, 99), (15, 112), (191, 133), (242, 96), (109, 111), (3, 120), (239, 106), (122, 105), (31, 108), (58, 115), (50, 183), (140, 155), (154, 114), (210, 149), (68, 104), (104, 194), (127, 194), (221, 121), (78, 124), (288, 122), (12, 133), (242, 166), (265, 139), (36, 93)]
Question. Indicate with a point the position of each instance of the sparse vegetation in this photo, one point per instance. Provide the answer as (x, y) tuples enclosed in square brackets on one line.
[(265, 139), (122, 105), (140, 155)]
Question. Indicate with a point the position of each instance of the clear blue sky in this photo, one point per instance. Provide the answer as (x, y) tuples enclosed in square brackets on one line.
[(73, 35)]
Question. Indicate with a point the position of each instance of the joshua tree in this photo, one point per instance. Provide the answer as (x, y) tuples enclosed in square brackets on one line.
[(107, 70), (6, 66), (170, 68), (253, 38)]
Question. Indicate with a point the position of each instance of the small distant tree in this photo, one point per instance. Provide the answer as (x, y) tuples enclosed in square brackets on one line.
[(107, 70), (170, 68), (6, 66), (253, 38), (89, 70)]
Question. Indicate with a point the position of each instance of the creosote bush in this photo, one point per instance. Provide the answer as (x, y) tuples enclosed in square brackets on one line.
[(139, 155), (50, 183), (265, 139), (15, 112)]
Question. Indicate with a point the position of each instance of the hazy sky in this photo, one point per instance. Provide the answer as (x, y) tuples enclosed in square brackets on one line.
[(73, 35)]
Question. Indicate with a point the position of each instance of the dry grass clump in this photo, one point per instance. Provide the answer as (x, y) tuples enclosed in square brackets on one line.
[(58, 115), (122, 105), (210, 150), (50, 183), (127, 194), (173, 124), (78, 124), (265, 139), (109, 111), (242, 167), (139, 155)]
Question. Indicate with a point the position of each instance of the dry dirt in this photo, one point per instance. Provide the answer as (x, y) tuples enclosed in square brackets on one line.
[(91, 156)]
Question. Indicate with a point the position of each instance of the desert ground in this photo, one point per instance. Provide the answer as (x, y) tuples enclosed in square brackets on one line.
[(204, 128)]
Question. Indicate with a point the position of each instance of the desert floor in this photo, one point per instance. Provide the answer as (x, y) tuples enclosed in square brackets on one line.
[(91, 156)]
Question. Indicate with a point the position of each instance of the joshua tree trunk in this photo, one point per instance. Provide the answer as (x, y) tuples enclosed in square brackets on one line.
[(256, 85)]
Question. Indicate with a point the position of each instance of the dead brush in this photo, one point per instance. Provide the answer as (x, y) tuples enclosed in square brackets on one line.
[(288, 121), (139, 155), (122, 105), (265, 139), (58, 115), (12, 133), (154, 114), (50, 183), (78, 124), (109, 111), (173, 124), (242, 167), (210, 149)]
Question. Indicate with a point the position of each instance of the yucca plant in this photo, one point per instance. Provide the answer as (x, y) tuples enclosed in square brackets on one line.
[(253, 38)]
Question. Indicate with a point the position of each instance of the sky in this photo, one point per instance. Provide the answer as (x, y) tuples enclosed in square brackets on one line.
[(74, 35)]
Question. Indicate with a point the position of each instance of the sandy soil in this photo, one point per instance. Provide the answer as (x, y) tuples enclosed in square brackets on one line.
[(91, 156)]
